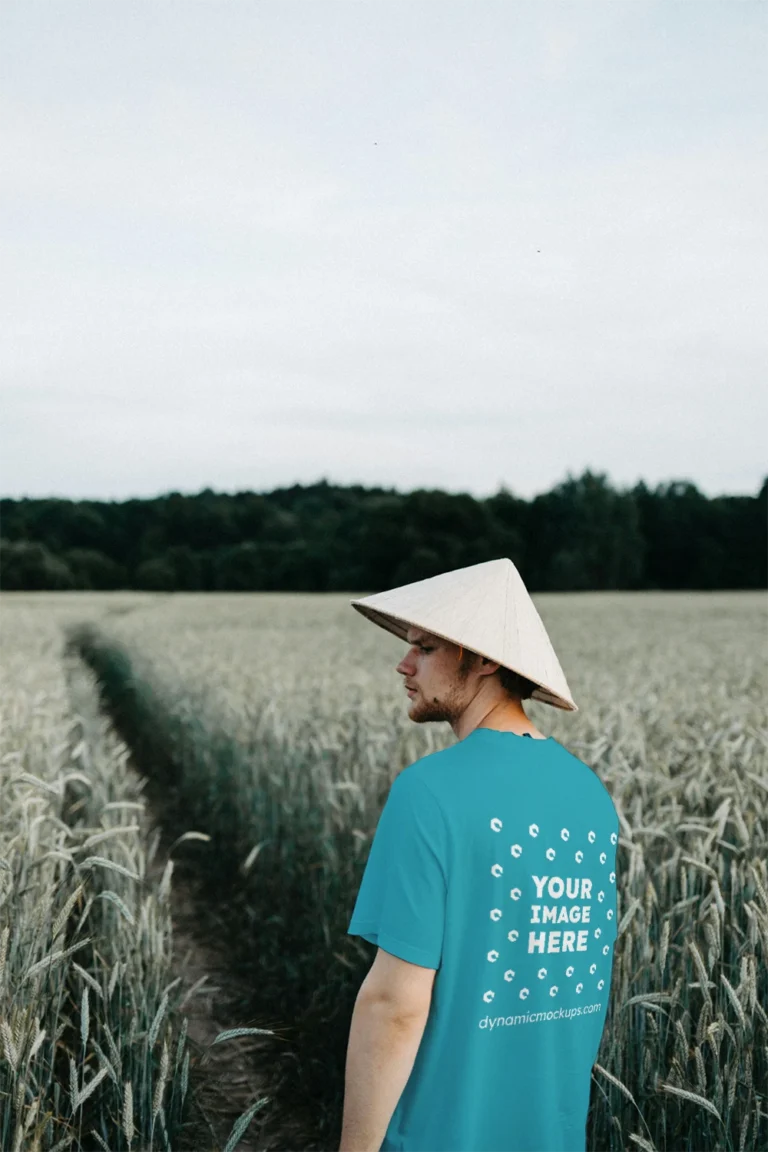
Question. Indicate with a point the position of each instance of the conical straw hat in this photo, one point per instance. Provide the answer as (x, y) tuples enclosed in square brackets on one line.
[(485, 608)]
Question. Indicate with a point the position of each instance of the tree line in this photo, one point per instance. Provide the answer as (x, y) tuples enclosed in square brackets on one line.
[(581, 535)]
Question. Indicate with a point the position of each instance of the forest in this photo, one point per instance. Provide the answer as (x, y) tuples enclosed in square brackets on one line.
[(582, 535)]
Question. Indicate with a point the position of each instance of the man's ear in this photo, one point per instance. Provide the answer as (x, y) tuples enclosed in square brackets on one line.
[(488, 667)]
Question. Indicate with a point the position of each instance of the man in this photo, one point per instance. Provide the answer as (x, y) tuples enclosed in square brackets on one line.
[(490, 892)]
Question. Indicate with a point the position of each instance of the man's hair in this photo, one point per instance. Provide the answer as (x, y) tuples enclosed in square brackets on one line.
[(512, 682), (516, 685)]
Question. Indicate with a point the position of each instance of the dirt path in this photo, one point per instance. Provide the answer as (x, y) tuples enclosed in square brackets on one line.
[(226, 1079), (223, 1078)]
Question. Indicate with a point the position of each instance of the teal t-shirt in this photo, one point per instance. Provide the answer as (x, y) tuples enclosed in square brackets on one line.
[(494, 862)]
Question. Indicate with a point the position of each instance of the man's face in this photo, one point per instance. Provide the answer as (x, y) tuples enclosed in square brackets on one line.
[(439, 678)]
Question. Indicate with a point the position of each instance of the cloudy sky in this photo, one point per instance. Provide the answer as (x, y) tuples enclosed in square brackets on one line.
[(423, 244)]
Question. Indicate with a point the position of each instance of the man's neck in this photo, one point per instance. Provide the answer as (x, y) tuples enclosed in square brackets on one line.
[(502, 715)]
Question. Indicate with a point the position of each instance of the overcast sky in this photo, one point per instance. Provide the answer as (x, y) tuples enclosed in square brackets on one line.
[(421, 244)]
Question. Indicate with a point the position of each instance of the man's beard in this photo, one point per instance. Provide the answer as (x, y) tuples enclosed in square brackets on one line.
[(429, 709)]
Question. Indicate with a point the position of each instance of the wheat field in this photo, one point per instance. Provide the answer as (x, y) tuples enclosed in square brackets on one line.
[(89, 1059), (93, 1045), (274, 724)]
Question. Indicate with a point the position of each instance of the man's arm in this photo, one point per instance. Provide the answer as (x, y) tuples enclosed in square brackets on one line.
[(388, 1023), (380, 1055)]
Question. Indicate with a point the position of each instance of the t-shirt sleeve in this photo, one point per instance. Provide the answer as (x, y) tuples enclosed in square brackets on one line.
[(401, 902)]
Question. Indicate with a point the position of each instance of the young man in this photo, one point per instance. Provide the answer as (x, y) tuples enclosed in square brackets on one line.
[(490, 892)]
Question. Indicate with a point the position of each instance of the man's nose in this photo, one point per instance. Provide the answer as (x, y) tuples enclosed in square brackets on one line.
[(403, 667)]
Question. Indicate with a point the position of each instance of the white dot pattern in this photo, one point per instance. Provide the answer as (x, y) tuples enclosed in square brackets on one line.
[(561, 894)]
